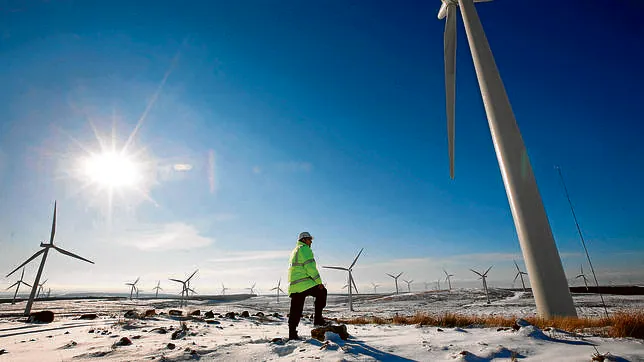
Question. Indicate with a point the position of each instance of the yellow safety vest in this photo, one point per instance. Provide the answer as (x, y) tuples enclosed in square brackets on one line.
[(302, 272)]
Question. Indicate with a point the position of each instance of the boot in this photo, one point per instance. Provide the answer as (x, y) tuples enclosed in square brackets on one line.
[(292, 335), (321, 322)]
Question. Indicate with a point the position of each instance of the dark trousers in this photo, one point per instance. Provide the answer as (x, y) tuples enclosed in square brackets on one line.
[(297, 305)]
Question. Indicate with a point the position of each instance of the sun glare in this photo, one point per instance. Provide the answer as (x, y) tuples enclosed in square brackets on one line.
[(112, 170)]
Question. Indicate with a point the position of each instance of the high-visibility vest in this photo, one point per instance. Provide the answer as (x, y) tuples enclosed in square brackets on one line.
[(302, 272)]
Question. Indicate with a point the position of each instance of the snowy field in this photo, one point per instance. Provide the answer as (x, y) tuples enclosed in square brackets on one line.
[(253, 338)]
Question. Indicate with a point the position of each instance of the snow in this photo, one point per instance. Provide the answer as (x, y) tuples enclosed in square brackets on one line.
[(252, 338)]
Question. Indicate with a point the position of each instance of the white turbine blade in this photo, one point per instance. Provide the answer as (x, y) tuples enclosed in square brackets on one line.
[(13, 285), (137, 280), (53, 226), (274, 288), (354, 285), (27, 284), (515, 277), (398, 276), (192, 275), (445, 271), (449, 38), (488, 269), (28, 260), (336, 267), (442, 12), (391, 275), (282, 291), (474, 271), (23, 274), (63, 251), (356, 259), (517, 265), (176, 280)]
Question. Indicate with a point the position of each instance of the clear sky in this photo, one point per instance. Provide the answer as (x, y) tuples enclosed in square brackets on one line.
[(260, 119)]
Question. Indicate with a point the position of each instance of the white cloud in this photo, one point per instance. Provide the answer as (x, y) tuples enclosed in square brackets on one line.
[(172, 236)]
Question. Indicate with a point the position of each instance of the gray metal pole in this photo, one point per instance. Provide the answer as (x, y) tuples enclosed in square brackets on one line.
[(547, 277), (34, 288)]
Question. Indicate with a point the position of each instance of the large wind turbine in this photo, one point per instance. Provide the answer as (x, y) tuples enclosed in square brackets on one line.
[(583, 276), (156, 289), (44, 253), (223, 289), (375, 287), (408, 284), (540, 253), (252, 289), (519, 274), (484, 278), (185, 288), (448, 278), (350, 282), (133, 288), (17, 285), (395, 279), (278, 289)]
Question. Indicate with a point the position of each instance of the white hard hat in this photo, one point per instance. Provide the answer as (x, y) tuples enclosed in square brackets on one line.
[(303, 235)]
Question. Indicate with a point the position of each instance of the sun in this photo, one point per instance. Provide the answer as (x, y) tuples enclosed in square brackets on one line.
[(112, 170)]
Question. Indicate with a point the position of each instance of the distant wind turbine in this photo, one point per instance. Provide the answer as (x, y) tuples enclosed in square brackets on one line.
[(223, 289), (582, 275), (185, 288), (252, 288), (48, 292), (375, 288), (408, 284), (278, 289), (44, 253), (350, 280), (448, 278), (519, 274), (40, 288), (548, 280), (17, 285), (484, 277), (395, 279), (133, 287), (156, 289)]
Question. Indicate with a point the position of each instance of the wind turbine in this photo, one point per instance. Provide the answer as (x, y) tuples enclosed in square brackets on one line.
[(484, 277), (44, 252), (375, 288), (17, 285), (133, 288), (40, 288), (547, 277), (223, 289), (252, 289), (408, 284), (583, 276), (395, 279), (448, 278), (185, 287), (350, 281), (156, 289), (278, 289), (519, 274)]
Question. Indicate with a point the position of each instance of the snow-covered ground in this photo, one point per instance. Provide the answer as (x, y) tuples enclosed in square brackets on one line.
[(252, 338)]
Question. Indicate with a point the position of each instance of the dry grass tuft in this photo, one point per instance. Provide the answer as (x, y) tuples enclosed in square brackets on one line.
[(619, 325)]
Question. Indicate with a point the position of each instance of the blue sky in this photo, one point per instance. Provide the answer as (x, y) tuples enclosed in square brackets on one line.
[(326, 117)]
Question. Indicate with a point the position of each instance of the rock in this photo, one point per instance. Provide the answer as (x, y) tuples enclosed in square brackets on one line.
[(67, 332), (209, 314), (181, 332), (341, 330), (212, 321), (3, 351), (503, 329), (136, 337), (276, 315), (69, 345), (195, 313), (277, 340), (90, 331), (440, 330), (230, 315), (150, 313), (175, 312), (131, 314), (45, 316), (522, 322), (89, 316), (245, 314), (171, 346), (259, 314), (123, 342), (159, 330)]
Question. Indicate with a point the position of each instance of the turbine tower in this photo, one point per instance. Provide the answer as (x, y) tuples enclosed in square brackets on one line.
[(438, 284), (278, 289), (484, 277), (408, 284), (133, 288), (448, 279), (17, 285), (547, 277), (44, 253), (583, 276), (519, 274), (156, 289), (350, 281), (395, 279)]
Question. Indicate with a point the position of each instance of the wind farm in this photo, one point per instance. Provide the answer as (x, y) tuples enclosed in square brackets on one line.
[(271, 183)]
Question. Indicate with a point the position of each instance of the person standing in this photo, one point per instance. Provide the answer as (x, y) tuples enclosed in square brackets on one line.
[(304, 280)]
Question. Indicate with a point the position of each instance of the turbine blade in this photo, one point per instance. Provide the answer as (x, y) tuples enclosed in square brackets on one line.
[(515, 264), (488, 269), (356, 259), (515, 277), (444, 271), (28, 260), (63, 251), (474, 271), (282, 291), (391, 275), (336, 267), (354, 285), (23, 274), (12, 285), (398, 276), (137, 280), (53, 225), (449, 38), (176, 280), (27, 284), (192, 275)]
